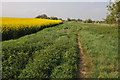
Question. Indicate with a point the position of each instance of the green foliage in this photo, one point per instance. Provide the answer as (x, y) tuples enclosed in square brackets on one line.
[(88, 21), (68, 19), (41, 54), (59, 18), (42, 16), (80, 20), (114, 12), (101, 44), (73, 20), (53, 52), (54, 18)]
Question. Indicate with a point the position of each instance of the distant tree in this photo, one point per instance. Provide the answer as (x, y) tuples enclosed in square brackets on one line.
[(60, 18), (93, 21), (97, 21), (88, 21), (73, 20), (42, 16), (68, 19), (80, 20), (54, 18), (48, 17)]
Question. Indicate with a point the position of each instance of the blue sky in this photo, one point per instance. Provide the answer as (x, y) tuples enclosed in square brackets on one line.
[(83, 10)]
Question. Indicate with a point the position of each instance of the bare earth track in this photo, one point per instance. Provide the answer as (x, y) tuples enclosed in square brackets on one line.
[(82, 68)]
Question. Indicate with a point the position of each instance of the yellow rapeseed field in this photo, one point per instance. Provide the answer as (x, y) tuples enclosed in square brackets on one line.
[(20, 26), (18, 23)]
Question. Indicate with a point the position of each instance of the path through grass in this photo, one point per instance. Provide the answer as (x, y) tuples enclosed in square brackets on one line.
[(54, 53)]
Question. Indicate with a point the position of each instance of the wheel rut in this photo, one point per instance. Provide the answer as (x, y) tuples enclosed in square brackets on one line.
[(82, 63)]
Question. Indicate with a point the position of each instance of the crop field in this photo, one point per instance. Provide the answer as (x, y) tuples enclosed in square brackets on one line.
[(50, 53), (13, 28), (54, 53)]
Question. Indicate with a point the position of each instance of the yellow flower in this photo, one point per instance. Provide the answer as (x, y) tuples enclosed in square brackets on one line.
[(9, 24)]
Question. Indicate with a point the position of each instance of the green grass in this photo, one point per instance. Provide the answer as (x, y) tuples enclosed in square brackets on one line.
[(53, 52), (50, 53), (101, 44)]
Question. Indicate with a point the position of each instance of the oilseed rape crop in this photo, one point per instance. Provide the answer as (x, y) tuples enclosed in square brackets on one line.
[(12, 28)]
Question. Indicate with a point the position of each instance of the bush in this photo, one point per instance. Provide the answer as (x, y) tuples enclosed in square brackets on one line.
[(88, 21)]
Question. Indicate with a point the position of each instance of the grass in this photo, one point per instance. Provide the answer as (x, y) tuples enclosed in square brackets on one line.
[(50, 53), (101, 45), (53, 52)]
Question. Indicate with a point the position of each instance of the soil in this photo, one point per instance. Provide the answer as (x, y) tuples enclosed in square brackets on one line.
[(82, 68)]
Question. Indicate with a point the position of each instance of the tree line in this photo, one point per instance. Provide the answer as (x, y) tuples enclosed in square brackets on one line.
[(113, 15), (44, 16)]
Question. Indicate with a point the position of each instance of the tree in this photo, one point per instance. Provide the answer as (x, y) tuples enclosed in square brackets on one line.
[(88, 21), (60, 19), (42, 16), (54, 18), (68, 19), (73, 20), (114, 12), (80, 20)]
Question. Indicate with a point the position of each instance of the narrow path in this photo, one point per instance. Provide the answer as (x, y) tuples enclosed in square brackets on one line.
[(82, 68)]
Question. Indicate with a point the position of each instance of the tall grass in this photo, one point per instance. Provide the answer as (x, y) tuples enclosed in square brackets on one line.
[(53, 52), (101, 45), (50, 53)]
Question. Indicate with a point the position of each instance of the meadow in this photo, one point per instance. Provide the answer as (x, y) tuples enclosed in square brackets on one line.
[(100, 43), (53, 52)]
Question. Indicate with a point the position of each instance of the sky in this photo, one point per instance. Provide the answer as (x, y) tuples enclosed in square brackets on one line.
[(56, 0), (82, 10)]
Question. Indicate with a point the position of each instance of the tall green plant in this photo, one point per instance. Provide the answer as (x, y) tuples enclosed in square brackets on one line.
[(113, 12)]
